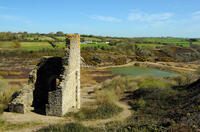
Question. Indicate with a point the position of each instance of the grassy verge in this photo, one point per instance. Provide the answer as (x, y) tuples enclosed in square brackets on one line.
[(5, 126), (72, 127)]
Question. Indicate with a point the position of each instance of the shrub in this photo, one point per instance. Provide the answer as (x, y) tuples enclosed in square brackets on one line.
[(16, 44), (120, 60), (189, 77), (141, 103), (2, 108), (180, 80)]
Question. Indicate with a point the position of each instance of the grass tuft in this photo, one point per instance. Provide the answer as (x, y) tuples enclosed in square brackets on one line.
[(5, 126), (102, 111), (6, 92), (72, 127)]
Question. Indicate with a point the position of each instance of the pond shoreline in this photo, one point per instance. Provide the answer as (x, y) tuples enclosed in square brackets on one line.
[(165, 66)]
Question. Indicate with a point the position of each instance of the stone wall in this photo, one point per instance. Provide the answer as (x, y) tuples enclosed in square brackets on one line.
[(54, 84), (22, 103), (71, 84)]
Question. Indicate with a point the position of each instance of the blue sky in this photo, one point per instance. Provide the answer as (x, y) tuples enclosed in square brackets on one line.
[(127, 18)]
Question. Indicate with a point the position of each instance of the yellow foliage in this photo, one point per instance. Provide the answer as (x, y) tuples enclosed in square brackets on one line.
[(69, 35)]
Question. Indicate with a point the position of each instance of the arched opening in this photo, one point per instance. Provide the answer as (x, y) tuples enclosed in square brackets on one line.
[(48, 76)]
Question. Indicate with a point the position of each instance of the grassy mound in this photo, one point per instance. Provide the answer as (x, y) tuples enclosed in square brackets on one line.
[(101, 112)]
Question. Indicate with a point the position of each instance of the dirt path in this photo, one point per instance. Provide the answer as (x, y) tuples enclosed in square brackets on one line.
[(37, 120), (86, 95), (120, 117)]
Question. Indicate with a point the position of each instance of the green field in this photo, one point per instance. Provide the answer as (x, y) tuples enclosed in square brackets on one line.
[(91, 38), (143, 42), (174, 41), (35, 46), (40, 38), (95, 45)]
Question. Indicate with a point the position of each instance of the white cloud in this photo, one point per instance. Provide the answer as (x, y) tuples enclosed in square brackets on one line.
[(8, 17), (14, 18), (196, 15), (7, 8), (105, 18), (145, 17)]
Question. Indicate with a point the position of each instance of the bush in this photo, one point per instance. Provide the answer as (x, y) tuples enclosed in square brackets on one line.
[(189, 78), (180, 80), (2, 108), (16, 44)]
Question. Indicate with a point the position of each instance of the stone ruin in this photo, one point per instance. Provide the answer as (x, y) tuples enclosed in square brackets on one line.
[(54, 84)]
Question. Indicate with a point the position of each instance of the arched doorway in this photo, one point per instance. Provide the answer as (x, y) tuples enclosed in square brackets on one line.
[(47, 75)]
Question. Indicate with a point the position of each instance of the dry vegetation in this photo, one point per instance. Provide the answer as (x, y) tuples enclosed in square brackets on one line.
[(6, 92)]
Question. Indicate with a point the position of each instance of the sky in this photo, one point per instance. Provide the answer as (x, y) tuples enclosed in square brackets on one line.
[(120, 18)]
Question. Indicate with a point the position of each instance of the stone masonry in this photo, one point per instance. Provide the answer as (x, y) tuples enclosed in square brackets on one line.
[(54, 84)]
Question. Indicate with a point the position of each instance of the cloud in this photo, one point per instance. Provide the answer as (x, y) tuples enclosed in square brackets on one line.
[(105, 18), (196, 15), (145, 17), (7, 8), (14, 18), (8, 17)]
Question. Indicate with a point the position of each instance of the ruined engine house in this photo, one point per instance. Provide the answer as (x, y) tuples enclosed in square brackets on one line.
[(54, 84)]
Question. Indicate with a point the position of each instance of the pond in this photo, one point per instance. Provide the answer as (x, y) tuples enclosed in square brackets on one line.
[(137, 71)]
